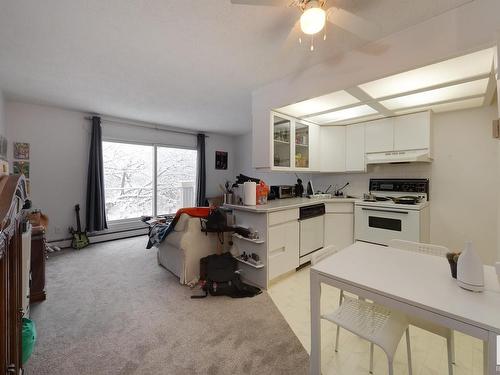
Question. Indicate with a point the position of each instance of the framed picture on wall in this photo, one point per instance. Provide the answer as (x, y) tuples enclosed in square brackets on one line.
[(22, 167), (220, 160), (21, 150)]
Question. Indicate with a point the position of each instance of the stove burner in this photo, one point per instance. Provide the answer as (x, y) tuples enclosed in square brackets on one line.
[(407, 199)]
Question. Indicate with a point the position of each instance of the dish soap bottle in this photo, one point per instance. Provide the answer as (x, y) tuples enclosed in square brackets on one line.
[(470, 271)]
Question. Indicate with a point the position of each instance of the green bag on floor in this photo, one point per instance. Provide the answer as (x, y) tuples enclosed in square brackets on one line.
[(28, 339)]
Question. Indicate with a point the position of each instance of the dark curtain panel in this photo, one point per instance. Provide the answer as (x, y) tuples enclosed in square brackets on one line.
[(96, 212), (201, 176)]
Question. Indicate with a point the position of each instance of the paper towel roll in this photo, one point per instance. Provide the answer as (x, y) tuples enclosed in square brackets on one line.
[(249, 193)]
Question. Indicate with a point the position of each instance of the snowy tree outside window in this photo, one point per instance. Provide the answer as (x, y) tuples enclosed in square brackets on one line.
[(129, 182)]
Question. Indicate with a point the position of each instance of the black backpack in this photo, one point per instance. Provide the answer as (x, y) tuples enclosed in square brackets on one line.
[(219, 277), (215, 222)]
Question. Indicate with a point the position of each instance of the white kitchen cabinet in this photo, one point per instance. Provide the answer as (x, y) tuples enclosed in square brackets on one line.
[(294, 145), (314, 151), (339, 229), (302, 145), (412, 132), (282, 135), (333, 148), (283, 248), (379, 135), (355, 148)]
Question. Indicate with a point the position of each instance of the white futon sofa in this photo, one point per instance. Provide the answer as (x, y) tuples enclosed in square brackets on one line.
[(181, 251)]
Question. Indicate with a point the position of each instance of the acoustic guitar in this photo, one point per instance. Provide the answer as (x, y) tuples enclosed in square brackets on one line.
[(80, 238)]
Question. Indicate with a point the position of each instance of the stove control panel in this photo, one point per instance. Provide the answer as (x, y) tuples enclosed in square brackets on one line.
[(402, 185)]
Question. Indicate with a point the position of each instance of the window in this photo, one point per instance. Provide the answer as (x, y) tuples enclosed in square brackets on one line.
[(176, 178), (141, 179)]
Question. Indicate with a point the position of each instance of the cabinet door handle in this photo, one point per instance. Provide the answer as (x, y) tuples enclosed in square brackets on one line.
[(379, 210), (277, 251)]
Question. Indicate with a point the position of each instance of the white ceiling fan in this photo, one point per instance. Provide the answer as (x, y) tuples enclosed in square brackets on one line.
[(315, 13)]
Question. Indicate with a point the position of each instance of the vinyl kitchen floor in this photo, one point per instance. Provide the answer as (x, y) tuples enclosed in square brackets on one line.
[(291, 296)]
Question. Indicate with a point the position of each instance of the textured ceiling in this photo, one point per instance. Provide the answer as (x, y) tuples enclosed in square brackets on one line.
[(189, 63)]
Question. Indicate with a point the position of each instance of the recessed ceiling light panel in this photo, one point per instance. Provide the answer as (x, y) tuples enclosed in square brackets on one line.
[(438, 95), (447, 107), (343, 114), (463, 67), (320, 104)]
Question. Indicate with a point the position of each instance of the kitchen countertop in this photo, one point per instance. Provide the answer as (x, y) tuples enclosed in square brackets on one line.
[(284, 204)]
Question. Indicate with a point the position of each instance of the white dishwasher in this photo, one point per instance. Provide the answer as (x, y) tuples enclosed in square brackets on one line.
[(312, 230)]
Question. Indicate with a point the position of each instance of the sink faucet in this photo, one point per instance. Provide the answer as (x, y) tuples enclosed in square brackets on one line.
[(339, 192)]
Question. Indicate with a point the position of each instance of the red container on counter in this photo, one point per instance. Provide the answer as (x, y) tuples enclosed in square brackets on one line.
[(262, 192)]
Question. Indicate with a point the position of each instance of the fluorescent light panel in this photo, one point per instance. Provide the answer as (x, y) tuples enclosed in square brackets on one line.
[(321, 103), (462, 67), (343, 114), (447, 107), (438, 95)]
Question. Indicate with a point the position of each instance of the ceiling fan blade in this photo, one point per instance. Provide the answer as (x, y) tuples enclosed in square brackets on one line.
[(354, 24), (275, 3), (292, 37)]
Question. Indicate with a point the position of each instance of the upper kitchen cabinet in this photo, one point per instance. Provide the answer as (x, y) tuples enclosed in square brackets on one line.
[(282, 141), (412, 132), (401, 133), (355, 148), (379, 135), (294, 144), (332, 146), (302, 145)]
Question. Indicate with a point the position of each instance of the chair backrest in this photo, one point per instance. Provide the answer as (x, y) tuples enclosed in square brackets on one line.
[(419, 247), (323, 253)]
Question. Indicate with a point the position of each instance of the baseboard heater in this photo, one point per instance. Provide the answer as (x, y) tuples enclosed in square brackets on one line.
[(97, 237)]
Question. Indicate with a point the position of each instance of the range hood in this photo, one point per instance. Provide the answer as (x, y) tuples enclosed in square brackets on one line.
[(412, 156)]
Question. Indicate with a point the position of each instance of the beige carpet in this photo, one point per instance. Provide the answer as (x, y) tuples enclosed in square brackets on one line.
[(112, 310)]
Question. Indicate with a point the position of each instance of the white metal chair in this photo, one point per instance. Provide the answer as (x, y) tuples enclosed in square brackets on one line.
[(370, 321), (318, 256), (447, 333)]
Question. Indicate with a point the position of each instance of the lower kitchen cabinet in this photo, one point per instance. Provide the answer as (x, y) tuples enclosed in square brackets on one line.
[(283, 248), (339, 229)]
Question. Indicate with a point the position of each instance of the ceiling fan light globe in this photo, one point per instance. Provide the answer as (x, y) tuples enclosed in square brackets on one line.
[(312, 21)]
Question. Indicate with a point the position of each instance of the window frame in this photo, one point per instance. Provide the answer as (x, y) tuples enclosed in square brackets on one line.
[(122, 222)]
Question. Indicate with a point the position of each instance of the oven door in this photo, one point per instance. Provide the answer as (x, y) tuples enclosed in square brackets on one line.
[(380, 225)]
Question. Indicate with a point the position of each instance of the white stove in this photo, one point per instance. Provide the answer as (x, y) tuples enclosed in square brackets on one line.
[(387, 218)]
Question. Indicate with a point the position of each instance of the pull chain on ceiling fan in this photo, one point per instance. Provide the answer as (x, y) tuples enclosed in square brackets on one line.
[(313, 19)]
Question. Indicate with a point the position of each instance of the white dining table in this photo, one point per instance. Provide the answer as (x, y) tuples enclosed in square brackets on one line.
[(416, 284)]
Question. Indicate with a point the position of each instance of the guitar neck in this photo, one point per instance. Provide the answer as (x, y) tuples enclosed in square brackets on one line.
[(78, 224)]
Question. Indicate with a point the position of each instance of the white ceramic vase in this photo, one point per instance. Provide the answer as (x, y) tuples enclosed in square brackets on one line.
[(470, 271)]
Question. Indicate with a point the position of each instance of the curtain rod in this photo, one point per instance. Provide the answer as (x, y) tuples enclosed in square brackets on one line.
[(148, 125)]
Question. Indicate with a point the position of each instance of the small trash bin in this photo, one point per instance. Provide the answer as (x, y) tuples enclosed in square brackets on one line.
[(28, 339)]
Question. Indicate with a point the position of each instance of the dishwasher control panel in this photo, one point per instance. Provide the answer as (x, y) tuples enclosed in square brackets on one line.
[(308, 212)]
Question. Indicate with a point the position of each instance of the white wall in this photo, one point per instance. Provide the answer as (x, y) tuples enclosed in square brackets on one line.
[(464, 179), (218, 142), (59, 142)]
